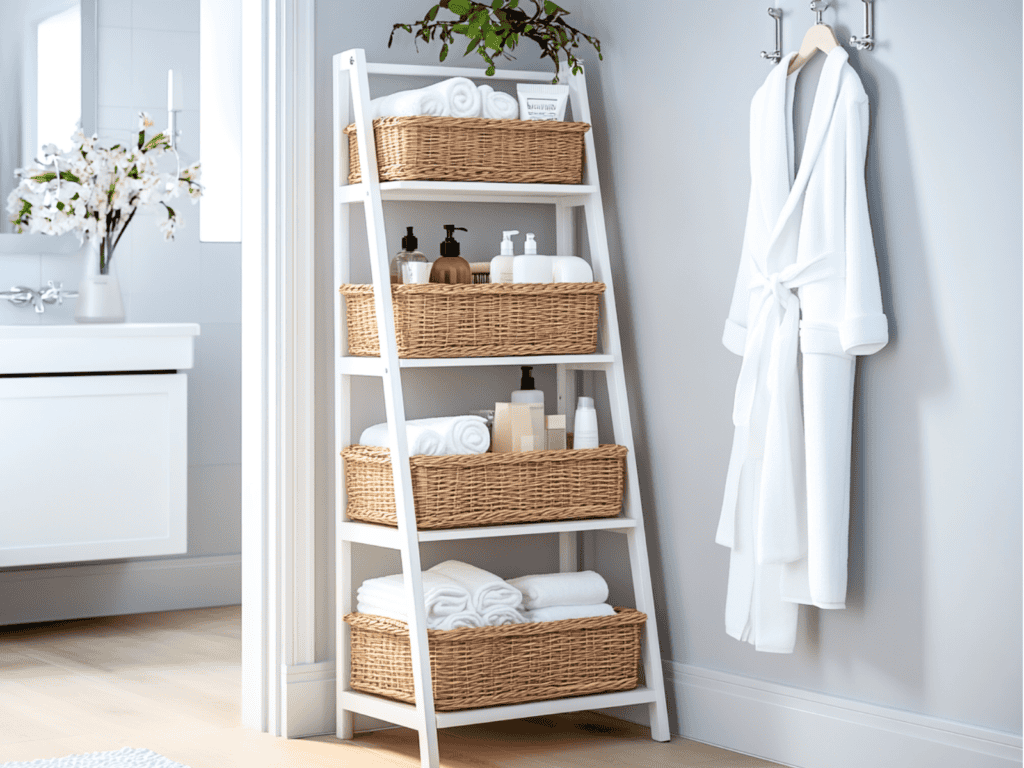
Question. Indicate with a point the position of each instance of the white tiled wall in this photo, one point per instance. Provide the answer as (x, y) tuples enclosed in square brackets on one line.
[(181, 281)]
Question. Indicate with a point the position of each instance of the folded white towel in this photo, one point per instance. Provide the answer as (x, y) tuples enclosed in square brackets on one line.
[(454, 97), (454, 621), (459, 620), (443, 436), (549, 589), (442, 596), (560, 612), (501, 615), (497, 105), (486, 591)]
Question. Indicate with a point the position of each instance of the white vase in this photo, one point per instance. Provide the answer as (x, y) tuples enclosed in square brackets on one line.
[(99, 295)]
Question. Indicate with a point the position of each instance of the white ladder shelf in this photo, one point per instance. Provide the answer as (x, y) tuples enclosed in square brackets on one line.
[(351, 73)]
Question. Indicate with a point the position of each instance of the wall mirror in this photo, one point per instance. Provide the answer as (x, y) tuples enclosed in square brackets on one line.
[(47, 84)]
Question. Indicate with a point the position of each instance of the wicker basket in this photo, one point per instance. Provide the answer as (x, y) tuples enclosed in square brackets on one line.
[(483, 320), (473, 149), (489, 488), (491, 666)]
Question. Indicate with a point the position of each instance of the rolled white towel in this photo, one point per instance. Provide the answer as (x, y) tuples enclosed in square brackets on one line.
[(486, 591), (461, 434), (421, 101), (421, 440), (442, 596), (561, 612), (442, 436), (549, 589), (501, 615), (463, 97), (497, 105), (454, 97), (460, 620)]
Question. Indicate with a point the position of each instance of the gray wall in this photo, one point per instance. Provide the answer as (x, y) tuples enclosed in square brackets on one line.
[(182, 281), (933, 623)]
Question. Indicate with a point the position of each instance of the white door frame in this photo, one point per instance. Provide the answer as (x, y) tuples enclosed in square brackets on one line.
[(278, 451)]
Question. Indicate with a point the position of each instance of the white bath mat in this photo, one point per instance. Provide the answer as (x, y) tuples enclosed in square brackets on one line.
[(122, 758)]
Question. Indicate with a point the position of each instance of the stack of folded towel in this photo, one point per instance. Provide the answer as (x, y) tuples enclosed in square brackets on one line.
[(456, 595), (454, 97), (557, 596), (444, 436)]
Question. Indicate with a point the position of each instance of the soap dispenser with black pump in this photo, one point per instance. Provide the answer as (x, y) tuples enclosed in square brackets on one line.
[(407, 255), (451, 268), (527, 392)]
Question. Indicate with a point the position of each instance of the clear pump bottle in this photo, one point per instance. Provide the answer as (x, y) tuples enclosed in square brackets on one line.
[(407, 254)]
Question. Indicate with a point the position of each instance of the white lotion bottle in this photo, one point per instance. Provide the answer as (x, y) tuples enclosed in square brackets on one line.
[(501, 265), (527, 392), (585, 434), (531, 268)]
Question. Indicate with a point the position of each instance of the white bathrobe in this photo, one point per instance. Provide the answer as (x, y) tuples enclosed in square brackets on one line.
[(807, 272)]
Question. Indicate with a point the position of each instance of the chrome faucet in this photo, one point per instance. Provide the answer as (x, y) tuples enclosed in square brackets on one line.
[(53, 293)]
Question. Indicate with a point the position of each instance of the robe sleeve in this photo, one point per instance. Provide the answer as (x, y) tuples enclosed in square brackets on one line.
[(863, 330)]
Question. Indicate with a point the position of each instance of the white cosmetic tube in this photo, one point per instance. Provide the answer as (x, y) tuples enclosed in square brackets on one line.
[(538, 101)]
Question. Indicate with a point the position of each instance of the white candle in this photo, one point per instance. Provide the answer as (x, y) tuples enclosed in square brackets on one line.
[(174, 88)]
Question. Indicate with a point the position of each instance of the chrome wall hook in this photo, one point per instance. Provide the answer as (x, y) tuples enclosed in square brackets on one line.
[(776, 56), (867, 42), (818, 6)]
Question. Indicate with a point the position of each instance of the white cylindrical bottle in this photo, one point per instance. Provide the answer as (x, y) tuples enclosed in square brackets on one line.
[(585, 435), (501, 265), (531, 268)]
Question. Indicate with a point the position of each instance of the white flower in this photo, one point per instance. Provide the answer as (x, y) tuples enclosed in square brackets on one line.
[(145, 121)]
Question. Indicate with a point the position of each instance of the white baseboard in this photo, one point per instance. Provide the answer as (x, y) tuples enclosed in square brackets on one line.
[(811, 730), (309, 701), (114, 589), (775, 722)]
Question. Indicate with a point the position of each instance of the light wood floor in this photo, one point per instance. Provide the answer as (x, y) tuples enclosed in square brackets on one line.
[(169, 682)]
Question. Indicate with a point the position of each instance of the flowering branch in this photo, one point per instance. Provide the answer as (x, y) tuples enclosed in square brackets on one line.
[(95, 191)]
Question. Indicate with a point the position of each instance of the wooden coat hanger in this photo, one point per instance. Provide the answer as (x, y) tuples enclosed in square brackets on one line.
[(820, 37)]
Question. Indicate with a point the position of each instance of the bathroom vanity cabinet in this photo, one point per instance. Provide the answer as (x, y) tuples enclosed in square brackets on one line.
[(93, 460)]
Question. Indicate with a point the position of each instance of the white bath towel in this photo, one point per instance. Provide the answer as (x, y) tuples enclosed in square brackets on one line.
[(497, 105), (545, 590), (461, 434), (460, 620), (560, 612), (442, 596), (443, 436), (454, 97), (421, 440), (501, 615), (486, 591)]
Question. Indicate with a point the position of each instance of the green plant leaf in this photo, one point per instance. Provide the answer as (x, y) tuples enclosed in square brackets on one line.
[(513, 4), (492, 41), (490, 70), (461, 7), (496, 4), (432, 13), (444, 52), (473, 44)]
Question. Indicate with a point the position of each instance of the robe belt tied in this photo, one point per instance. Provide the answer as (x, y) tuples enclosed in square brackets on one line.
[(772, 345)]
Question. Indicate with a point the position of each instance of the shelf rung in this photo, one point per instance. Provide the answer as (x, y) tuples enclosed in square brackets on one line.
[(386, 536), (469, 191), (529, 529), (374, 366), (360, 366), (405, 714), (395, 712), (540, 708)]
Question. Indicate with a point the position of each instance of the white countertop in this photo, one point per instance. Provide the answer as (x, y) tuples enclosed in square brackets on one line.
[(85, 348)]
